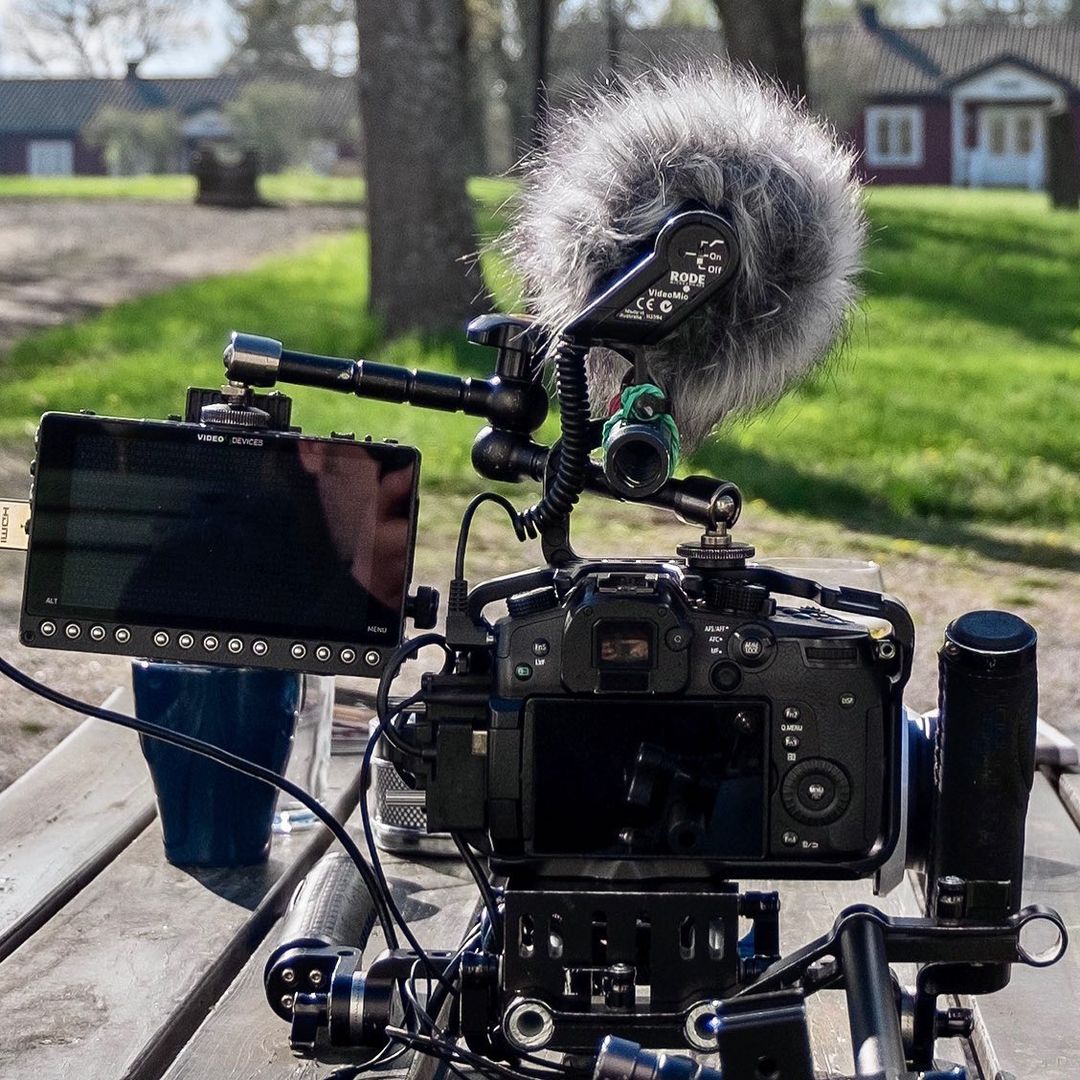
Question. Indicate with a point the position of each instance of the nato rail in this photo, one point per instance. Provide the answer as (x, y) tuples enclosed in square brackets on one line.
[(513, 401)]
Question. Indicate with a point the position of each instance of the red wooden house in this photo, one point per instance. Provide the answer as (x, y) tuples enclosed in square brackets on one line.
[(963, 104)]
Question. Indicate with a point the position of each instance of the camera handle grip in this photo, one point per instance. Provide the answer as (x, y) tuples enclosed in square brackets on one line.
[(331, 906), (322, 938)]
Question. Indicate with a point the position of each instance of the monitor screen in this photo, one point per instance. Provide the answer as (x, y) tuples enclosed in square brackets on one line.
[(182, 525)]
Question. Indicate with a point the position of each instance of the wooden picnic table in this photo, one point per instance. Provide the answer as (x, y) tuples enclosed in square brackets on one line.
[(115, 964)]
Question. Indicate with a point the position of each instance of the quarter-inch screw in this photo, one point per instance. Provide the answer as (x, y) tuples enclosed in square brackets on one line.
[(286, 1001), (288, 976), (315, 977)]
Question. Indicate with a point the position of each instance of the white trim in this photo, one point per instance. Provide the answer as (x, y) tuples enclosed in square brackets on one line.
[(1004, 82), (900, 123)]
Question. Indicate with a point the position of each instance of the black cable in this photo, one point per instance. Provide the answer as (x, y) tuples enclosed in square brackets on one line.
[(470, 860), (376, 858), (382, 699), (572, 387), (467, 519), (231, 761)]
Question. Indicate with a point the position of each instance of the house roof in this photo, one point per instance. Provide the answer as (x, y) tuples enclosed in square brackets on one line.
[(900, 61), (65, 106)]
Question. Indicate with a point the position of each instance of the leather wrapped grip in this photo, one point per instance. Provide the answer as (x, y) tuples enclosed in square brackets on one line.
[(330, 908)]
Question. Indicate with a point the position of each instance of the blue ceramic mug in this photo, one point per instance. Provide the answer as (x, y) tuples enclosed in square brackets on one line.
[(211, 815)]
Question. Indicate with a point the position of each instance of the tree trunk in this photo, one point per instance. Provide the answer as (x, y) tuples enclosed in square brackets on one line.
[(540, 69), (413, 75), (613, 28), (767, 35)]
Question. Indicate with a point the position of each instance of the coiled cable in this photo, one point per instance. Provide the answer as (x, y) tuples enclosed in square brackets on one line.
[(572, 389)]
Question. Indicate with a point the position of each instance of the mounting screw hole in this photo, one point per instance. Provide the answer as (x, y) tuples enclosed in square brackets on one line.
[(530, 1022), (767, 1069)]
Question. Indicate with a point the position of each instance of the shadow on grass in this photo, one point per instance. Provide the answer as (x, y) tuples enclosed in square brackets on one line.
[(1012, 273), (794, 491)]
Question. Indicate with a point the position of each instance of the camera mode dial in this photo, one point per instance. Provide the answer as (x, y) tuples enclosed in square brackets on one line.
[(816, 791)]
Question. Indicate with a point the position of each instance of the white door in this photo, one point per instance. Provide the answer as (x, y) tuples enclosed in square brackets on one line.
[(1010, 152), (50, 157)]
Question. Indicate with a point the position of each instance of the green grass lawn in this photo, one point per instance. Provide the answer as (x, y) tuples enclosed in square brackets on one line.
[(292, 186), (958, 396)]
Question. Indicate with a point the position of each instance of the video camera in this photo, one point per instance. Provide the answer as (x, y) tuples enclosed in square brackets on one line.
[(629, 735)]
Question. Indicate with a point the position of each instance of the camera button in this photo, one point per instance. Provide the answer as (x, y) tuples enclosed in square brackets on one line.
[(753, 647), (298, 650), (677, 638), (97, 633), (72, 630), (259, 647), (816, 792), (791, 742), (122, 634), (210, 643), (185, 641), (323, 653), (371, 657), (847, 700), (541, 647), (726, 676), (47, 628), (523, 672), (161, 639), (235, 645), (790, 838), (347, 656)]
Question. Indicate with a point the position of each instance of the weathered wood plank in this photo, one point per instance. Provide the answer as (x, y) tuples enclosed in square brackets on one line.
[(1033, 1023), (242, 1038), (66, 819), (116, 982)]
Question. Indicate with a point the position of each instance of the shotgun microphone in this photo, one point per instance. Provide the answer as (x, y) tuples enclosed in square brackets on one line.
[(622, 164)]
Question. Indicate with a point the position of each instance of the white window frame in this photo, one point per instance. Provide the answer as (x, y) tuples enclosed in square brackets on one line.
[(894, 116), (59, 154)]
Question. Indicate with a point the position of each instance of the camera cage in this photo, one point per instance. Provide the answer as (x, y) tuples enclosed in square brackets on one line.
[(761, 1001), (734, 996)]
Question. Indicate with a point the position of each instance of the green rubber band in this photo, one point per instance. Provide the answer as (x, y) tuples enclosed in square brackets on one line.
[(628, 411)]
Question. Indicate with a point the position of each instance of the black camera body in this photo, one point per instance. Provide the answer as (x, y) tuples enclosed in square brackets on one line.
[(649, 716)]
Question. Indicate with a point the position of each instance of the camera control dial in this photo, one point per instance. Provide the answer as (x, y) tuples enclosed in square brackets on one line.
[(816, 791)]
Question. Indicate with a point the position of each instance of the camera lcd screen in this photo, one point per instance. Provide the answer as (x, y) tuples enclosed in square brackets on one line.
[(665, 777), (181, 525)]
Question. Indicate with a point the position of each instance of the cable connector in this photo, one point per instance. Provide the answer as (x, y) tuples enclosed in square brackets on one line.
[(461, 631)]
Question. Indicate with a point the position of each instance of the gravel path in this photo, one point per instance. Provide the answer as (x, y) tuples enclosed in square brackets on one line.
[(61, 259)]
